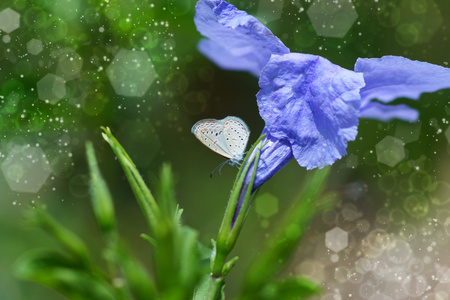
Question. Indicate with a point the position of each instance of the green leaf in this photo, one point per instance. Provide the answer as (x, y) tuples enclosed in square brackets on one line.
[(279, 249), (210, 289), (204, 252), (178, 213), (65, 275), (67, 239), (177, 262), (143, 195), (166, 194), (229, 265), (101, 198), (149, 239), (213, 254), (136, 277), (176, 254), (189, 269), (289, 288)]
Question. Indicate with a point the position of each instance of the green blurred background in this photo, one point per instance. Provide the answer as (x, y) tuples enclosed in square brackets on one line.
[(134, 66)]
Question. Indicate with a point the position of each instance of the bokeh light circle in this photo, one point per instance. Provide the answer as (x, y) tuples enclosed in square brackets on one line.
[(416, 205)]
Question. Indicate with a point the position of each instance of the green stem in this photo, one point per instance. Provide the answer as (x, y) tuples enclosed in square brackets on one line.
[(216, 288), (229, 231)]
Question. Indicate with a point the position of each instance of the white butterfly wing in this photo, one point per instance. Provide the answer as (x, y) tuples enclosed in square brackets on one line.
[(236, 134), (210, 133)]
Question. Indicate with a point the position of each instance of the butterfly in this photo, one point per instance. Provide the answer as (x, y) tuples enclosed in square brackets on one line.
[(227, 137)]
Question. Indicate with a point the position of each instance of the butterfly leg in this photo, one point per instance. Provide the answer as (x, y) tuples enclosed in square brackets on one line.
[(219, 167)]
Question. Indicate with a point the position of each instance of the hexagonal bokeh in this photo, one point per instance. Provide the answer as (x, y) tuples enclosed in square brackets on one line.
[(266, 205), (390, 151), (131, 73), (336, 239), (447, 134), (26, 169), (269, 10), (408, 132), (332, 18), (34, 46), (12, 103), (51, 88), (69, 63), (6, 39), (9, 20), (363, 265), (351, 161)]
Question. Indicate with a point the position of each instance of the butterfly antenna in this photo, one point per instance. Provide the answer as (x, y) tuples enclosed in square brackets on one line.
[(218, 167)]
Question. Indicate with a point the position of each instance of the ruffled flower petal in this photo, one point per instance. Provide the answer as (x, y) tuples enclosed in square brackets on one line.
[(236, 34), (225, 60), (385, 113), (311, 103), (392, 77)]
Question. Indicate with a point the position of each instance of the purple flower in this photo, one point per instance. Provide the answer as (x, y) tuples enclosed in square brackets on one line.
[(310, 106), (236, 40), (392, 77)]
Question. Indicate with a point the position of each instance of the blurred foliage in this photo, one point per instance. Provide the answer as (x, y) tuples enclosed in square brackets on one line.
[(81, 38), (176, 252), (178, 257)]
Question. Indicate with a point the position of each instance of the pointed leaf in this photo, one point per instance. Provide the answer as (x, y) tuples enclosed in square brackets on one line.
[(229, 265), (276, 252), (101, 197), (145, 198), (149, 239), (138, 280), (65, 275), (290, 288), (210, 289), (204, 252), (166, 195), (66, 238), (190, 269)]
